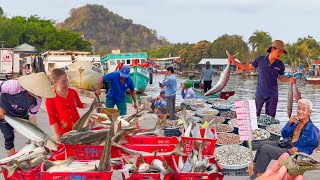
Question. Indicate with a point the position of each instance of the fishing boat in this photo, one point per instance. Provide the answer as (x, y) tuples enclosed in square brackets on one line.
[(140, 77), (223, 95), (312, 79)]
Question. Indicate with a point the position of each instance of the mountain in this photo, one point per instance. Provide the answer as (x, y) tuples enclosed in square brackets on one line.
[(107, 30)]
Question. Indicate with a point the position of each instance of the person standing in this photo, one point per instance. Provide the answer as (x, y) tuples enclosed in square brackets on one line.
[(62, 109), (119, 83), (270, 68), (187, 91), (170, 83), (22, 98), (206, 75)]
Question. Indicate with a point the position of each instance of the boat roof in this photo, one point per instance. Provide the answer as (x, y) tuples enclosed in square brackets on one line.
[(215, 61), (137, 55)]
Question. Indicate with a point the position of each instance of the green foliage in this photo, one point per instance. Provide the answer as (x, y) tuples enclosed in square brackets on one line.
[(110, 31), (39, 33), (260, 41), (1, 11)]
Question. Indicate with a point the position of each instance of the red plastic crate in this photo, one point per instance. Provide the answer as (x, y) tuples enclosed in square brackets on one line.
[(150, 176), (151, 140), (26, 175), (151, 148), (210, 145), (196, 176), (88, 152)]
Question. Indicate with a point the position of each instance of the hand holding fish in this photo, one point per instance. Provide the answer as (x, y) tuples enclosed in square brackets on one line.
[(294, 119), (277, 172)]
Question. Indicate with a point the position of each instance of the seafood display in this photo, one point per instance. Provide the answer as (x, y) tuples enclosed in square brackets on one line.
[(228, 139), (222, 128), (194, 101), (218, 105), (215, 119), (229, 114), (199, 106), (214, 100), (207, 112), (266, 120), (233, 122), (275, 129), (233, 155), (260, 134)]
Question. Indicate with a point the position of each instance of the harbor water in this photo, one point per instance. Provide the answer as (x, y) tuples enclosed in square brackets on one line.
[(245, 89)]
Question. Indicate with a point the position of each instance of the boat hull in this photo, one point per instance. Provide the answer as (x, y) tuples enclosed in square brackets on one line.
[(140, 77), (312, 80)]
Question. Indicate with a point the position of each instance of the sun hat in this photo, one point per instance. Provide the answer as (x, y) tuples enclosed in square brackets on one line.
[(125, 71), (37, 84), (277, 44)]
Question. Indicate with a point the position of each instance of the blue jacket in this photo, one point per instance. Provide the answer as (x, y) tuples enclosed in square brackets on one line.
[(162, 103), (188, 94), (171, 85), (308, 140)]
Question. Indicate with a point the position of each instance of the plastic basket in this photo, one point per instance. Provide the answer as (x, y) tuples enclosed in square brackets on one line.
[(152, 148), (152, 175), (207, 150), (26, 175), (197, 176), (274, 137), (236, 172), (88, 152), (135, 140)]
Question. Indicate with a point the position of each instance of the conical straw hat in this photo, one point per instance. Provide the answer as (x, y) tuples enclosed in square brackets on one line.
[(37, 84)]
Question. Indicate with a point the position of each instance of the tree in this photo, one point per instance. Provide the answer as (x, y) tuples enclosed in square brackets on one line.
[(260, 41), (1, 11)]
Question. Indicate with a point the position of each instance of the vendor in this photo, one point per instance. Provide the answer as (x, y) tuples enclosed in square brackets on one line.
[(119, 83), (187, 91), (300, 134), (160, 104), (62, 109), (22, 98)]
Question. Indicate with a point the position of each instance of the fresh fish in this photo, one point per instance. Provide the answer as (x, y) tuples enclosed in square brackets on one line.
[(158, 165), (183, 116), (290, 100), (157, 130), (208, 133), (212, 168), (87, 137), (188, 131), (176, 151), (223, 80), (187, 167), (67, 166), (25, 150), (143, 167), (121, 133), (296, 93), (200, 148), (201, 166), (104, 164), (25, 165), (180, 163), (195, 132), (31, 131), (84, 120), (34, 153)]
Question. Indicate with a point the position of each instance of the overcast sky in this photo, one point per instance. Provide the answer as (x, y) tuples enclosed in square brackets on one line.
[(194, 20)]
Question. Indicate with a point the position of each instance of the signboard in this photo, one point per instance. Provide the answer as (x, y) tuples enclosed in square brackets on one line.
[(247, 118), (6, 60)]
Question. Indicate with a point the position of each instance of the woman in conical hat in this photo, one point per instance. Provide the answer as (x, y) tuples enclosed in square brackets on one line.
[(22, 98)]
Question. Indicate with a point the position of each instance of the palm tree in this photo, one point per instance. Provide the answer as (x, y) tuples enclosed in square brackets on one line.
[(259, 42)]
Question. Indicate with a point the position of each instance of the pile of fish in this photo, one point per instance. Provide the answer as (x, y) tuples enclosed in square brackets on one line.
[(228, 139), (195, 162), (26, 159), (274, 129), (232, 155), (214, 100), (199, 106), (156, 165), (222, 128), (260, 134), (266, 120)]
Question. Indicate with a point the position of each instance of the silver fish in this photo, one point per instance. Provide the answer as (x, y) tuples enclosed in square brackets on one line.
[(84, 120), (183, 116), (31, 131), (34, 153), (158, 165), (25, 150), (290, 100), (223, 80), (296, 93), (195, 132), (86, 137), (188, 131), (143, 167)]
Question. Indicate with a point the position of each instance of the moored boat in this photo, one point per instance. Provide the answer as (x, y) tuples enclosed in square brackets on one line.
[(140, 77), (312, 79)]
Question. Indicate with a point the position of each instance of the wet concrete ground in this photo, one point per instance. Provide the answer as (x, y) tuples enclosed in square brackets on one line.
[(43, 123)]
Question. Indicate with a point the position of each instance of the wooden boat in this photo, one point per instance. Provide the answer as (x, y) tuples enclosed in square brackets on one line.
[(223, 95), (312, 79), (140, 77)]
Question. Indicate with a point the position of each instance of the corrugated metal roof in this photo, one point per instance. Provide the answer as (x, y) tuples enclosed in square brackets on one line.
[(25, 48), (215, 61)]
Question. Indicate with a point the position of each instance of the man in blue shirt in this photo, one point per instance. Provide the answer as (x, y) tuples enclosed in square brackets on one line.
[(301, 133), (170, 82), (270, 68), (206, 76), (120, 82)]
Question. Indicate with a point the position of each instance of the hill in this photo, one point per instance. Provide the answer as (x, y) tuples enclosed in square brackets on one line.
[(107, 30)]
